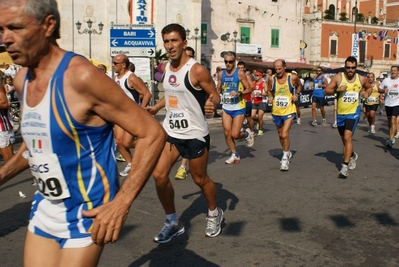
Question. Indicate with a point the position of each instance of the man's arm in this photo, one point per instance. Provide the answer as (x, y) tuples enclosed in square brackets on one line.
[(101, 98), (330, 88), (137, 84), (3, 97), (269, 90), (367, 89), (248, 86), (201, 78), (382, 88), (219, 86)]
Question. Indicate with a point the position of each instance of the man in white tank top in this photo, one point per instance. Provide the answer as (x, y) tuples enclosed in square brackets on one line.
[(186, 84), (135, 89)]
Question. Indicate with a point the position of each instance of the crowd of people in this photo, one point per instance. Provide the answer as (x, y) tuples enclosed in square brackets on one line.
[(79, 205)]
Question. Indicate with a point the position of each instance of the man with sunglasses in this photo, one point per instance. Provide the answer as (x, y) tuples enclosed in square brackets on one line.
[(136, 90), (233, 84), (282, 95), (350, 88), (390, 87)]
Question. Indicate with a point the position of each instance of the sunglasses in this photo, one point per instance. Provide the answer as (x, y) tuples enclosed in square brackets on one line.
[(350, 68), (229, 61)]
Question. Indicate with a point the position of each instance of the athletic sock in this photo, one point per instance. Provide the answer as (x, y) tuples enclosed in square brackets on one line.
[(172, 218)]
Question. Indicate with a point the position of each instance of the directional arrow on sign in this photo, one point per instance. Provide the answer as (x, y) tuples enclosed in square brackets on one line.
[(114, 42), (151, 52), (151, 33)]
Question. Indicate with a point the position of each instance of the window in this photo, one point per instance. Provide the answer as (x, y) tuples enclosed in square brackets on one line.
[(387, 50), (274, 1), (245, 34), (204, 31), (333, 47), (275, 42), (333, 44), (362, 51)]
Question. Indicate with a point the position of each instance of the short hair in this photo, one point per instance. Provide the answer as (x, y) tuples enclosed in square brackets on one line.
[(103, 67), (126, 61), (218, 68), (371, 73), (351, 59), (282, 62), (189, 48), (229, 53), (395, 66), (321, 68), (40, 10), (174, 27), (241, 63)]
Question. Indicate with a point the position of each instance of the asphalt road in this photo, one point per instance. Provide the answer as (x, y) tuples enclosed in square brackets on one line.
[(304, 217)]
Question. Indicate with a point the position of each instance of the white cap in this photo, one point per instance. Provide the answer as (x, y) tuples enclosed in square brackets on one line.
[(381, 77), (294, 72)]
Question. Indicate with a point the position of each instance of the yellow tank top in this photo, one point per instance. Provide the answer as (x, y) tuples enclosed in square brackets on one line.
[(373, 99), (348, 101), (282, 101)]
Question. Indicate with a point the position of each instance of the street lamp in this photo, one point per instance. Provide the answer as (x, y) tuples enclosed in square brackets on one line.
[(89, 31), (234, 39), (195, 37)]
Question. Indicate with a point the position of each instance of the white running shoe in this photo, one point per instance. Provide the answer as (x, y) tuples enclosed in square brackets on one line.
[(352, 161), (298, 121), (324, 123), (397, 135), (372, 129), (125, 172), (344, 173), (334, 125), (233, 159), (250, 138), (314, 123)]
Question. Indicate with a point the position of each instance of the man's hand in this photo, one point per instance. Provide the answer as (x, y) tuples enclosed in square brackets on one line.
[(153, 110), (342, 88), (108, 221), (209, 106), (295, 98)]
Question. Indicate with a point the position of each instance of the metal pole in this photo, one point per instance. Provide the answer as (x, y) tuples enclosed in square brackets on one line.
[(89, 44), (196, 51)]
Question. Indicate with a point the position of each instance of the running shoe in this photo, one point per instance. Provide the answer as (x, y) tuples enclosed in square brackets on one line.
[(390, 142), (250, 138), (298, 121), (334, 125), (169, 231), (233, 159), (372, 129), (343, 173), (314, 123), (397, 135), (324, 123), (120, 158), (214, 224), (284, 164), (181, 174), (352, 161), (260, 132), (125, 172)]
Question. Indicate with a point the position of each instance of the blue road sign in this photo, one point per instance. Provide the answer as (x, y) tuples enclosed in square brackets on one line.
[(133, 33), (132, 42)]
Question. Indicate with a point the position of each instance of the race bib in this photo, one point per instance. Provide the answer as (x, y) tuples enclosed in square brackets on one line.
[(229, 99), (350, 97), (282, 101), (179, 121), (48, 176), (393, 93), (258, 93), (372, 99)]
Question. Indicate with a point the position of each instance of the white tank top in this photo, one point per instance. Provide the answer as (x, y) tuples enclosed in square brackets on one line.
[(185, 116), (122, 81)]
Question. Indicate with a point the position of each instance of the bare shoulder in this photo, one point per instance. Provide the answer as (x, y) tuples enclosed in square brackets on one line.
[(19, 79)]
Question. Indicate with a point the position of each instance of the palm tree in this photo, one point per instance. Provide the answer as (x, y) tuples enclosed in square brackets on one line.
[(160, 57)]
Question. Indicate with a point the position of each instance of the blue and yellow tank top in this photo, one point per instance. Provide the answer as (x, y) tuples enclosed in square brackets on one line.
[(349, 101), (282, 101), (229, 84)]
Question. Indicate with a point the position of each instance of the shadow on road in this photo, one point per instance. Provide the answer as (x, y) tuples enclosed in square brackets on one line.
[(14, 218)]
